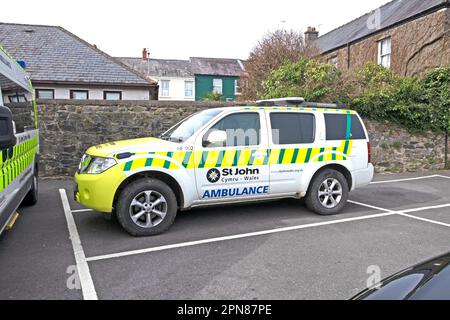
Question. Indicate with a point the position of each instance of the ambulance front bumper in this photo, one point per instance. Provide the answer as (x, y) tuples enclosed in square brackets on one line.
[(97, 191)]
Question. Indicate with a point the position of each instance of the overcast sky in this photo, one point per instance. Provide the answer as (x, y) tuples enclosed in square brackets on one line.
[(179, 29)]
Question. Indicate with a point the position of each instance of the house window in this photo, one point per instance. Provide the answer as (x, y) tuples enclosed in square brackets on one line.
[(384, 52), (112, 95), (217, 86), (79, 94), (47, 94), (188, 89), (237, 87), (17, 98), (333, 61), (165, 86)]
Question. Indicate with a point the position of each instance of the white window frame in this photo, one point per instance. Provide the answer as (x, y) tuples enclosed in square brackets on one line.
[(218, 88), (237, 87), (16, 98), (39, 91), (384, 58), (334, 61), (165, 92), (191, 90)]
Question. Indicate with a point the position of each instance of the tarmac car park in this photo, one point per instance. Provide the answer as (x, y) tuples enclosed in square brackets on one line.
[(266, 250)]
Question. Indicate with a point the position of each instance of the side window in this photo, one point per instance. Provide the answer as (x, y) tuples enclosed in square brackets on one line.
[(357, 132), (23, 116), (240, 129), (292, 128), (336, 127)]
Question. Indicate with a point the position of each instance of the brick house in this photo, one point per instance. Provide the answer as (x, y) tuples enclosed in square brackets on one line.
[(408, 36), (63, 66)]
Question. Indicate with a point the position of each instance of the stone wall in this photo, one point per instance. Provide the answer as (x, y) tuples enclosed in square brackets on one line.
[(69, 127), (417, 46)]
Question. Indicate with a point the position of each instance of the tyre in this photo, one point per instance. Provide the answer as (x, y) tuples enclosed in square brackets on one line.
[(32, 196), (146, 207), (328, 193)]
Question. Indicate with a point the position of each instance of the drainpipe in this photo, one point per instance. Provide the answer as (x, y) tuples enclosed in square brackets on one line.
[(446, 166), (348, 56)]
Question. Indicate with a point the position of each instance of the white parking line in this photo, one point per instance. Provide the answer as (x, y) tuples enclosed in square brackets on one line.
[(370, 206), (409, 179), (446, 177), (271, 231), (424, 219), (233, 237), (87, 285)]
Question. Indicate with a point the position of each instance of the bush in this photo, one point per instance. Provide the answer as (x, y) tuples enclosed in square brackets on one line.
[(213, 96), (417, 104), (310, 79)]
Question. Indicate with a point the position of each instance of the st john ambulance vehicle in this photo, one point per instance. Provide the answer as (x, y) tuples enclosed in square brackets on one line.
[(19, 140), (277, 149)]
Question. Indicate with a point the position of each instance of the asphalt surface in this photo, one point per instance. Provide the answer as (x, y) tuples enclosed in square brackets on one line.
[(317, 258)]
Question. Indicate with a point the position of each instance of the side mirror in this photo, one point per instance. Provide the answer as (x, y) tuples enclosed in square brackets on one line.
[(7, 137), (216, 138)]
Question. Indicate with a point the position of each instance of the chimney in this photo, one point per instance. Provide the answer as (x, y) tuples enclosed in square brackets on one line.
[(145, 54), (311, 34)]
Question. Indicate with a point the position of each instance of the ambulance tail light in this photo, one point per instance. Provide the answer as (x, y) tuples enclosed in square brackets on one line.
[(369, 152)]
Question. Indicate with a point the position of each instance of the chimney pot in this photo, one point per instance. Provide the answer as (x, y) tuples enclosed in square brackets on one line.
[(145, 54), (311, 34)]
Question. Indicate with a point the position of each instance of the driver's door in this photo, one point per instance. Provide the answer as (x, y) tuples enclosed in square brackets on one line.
[(232, 158)]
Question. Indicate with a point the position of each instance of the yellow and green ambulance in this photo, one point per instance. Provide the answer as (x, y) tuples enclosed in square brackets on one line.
[(276, 149), (19, 140)]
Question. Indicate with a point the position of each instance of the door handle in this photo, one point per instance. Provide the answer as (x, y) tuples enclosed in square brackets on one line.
[(260, 154)]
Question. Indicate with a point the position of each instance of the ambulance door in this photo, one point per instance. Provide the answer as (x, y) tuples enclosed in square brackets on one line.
[(231, 160)]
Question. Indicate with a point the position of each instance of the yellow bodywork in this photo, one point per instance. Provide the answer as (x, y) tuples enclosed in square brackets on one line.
[(96, 191)]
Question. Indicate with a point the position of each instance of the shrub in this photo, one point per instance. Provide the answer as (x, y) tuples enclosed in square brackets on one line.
[(417, 104), (213, 96), (310, 79)]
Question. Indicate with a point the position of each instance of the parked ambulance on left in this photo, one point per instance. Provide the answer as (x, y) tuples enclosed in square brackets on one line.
[(19, 140)]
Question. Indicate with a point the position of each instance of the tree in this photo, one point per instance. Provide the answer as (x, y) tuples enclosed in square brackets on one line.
[(272, 51)]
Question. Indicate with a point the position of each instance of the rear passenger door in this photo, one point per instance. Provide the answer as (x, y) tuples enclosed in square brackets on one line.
[(292, 137), (347, 131)]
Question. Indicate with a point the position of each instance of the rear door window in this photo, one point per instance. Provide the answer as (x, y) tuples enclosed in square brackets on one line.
[(292, 128), (337, 126)]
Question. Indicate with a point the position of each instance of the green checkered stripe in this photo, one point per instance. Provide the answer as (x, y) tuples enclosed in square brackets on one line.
[(11, 166)]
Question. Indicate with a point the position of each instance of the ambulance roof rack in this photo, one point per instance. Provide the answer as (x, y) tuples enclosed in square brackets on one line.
[(295, 101), (280, 102)]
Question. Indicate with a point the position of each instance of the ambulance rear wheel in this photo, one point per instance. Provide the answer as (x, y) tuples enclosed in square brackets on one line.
[(146, 207), (32, 196), (328, 193)]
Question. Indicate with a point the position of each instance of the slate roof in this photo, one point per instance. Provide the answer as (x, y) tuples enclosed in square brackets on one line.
[(160, 67), (54, 55), (392, 13), (217, 66)]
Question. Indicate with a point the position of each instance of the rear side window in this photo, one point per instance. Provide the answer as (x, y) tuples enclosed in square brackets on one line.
[(337, 126), (292, 128)]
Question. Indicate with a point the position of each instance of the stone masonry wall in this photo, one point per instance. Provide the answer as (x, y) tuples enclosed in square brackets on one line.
[(68, 128), (417, 46)]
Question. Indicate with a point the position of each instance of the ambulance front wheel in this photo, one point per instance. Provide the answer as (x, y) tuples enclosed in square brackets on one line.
[(146, 207)]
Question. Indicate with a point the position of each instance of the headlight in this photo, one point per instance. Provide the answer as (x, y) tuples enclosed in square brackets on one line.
[(100, 165)]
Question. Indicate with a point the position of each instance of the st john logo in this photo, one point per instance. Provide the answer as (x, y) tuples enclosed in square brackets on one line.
[(213, 175)]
